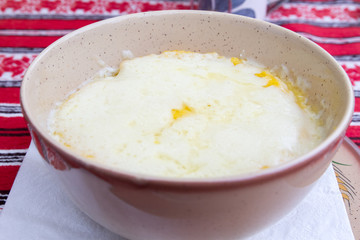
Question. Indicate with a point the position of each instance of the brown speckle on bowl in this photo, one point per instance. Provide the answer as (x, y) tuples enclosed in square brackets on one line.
[(136, 206)]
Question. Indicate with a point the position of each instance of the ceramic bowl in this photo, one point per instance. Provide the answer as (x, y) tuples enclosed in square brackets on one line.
[(138, 206)]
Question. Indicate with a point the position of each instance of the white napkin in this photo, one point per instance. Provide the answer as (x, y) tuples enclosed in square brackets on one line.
[(38, 209)]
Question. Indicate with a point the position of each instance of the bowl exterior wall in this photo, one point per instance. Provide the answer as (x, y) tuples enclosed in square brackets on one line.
[(138, 208)]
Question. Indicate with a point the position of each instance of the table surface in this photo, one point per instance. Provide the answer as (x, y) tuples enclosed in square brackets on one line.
[(27, 27)]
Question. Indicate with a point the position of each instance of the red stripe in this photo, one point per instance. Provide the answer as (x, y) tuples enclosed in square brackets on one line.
[(40, 24), (323, 31), (15, 142), (70, 7), (341, 49), (7, 177), (27, 41), (310, 12), (357, 105), (10, 95), (353, 132), (8, 143), (14, 122)]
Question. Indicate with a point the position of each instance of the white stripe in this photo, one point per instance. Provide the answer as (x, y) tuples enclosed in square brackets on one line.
[(349, 64), (355, 124), (10, 104), (10, 115), (34, 32), (18, 56), (13, 151), (356, 85), (331, 40), (15, 107), (9, 76), (326, 19), (347, 6), (10, 164), (356, 115)]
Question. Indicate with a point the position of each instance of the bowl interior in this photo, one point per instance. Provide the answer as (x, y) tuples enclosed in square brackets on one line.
[(76, 57)]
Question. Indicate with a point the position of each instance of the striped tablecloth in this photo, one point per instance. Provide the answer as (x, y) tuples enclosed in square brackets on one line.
[(27, 27)]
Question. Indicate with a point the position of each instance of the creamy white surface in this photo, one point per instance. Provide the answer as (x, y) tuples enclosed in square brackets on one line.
[(234, 124)]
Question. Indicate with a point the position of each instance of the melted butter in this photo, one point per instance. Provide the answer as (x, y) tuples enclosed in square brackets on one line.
[(185, 110), (298, 93), (235, 60), (272, 80)]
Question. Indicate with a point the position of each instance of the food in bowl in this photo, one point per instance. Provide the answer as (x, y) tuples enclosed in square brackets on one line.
[(187, 114), (138, 206)]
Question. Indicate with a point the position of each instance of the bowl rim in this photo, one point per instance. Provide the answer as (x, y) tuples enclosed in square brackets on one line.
[(107, 173)]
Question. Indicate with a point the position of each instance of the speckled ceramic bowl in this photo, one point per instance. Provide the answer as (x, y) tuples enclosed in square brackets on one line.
[(145, 207)]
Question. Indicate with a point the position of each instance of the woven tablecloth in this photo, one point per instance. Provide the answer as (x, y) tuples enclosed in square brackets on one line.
[(27, 27)]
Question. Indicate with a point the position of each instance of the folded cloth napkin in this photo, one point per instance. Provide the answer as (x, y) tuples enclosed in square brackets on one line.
[(38, 209)]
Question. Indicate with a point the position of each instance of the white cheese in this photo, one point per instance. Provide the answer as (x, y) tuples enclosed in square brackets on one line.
[(185, 114)]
